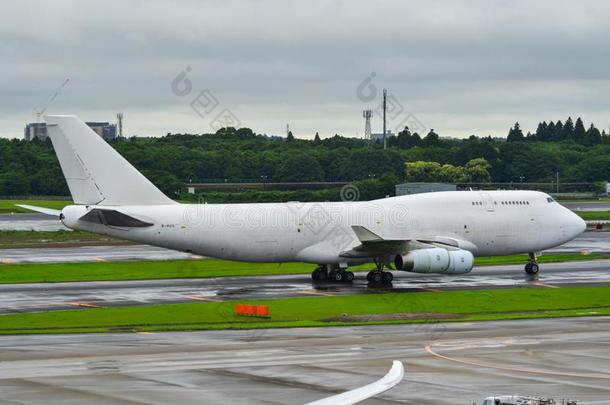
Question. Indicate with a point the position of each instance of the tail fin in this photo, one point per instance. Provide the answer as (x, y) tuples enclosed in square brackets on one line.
[(96, 173)]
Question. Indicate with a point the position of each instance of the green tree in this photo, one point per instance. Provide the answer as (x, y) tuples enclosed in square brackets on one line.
[(431, 139), (290, 137), (451, 174), (300, 167), (477, 171), (568, 129), (592, 136), (515, 134), (421, 171), (579, 131)]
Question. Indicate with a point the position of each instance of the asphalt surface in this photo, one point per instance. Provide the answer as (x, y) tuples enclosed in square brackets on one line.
[(30, 222), (454, 363), (90, 254), (17, 298), (587, 206), (587, 242)]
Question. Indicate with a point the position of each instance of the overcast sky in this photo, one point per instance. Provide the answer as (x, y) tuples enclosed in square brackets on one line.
[(460, 67)]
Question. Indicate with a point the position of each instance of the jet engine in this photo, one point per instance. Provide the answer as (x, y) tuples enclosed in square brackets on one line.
[(435, 260)]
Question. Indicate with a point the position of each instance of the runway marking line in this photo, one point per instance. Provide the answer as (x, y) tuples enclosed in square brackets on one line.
[(83, 304), (311, 292), (428, 349), (541, 284), (100, 259), (199, 298)]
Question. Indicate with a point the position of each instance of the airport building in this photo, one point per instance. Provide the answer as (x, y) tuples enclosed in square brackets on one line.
[(417, 188), (379, 136), (105, 130)]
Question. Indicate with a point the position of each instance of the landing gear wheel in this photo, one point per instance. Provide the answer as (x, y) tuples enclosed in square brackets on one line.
[(379, 277), (315, 274), (532, 268), (336, 275), (319, 274), (349, 276), (387, 277)]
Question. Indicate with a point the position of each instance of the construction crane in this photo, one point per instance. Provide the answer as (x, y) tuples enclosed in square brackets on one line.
[(39, 112)]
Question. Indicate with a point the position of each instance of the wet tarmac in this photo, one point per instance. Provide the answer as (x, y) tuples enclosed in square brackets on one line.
[(15, 298), (587, 205), (90, 254), (453, 363), (30, 222)]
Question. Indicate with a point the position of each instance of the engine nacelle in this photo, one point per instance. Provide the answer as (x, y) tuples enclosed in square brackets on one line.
[(435, 260)]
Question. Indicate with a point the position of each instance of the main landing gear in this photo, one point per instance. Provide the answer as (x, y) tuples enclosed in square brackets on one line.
[(378, 276), (332, 273), (532, 266)]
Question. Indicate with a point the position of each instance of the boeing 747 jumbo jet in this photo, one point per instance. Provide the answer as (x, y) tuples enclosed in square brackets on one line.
[(424, 233)]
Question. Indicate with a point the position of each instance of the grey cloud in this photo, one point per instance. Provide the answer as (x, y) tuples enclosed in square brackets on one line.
[(461, 66)]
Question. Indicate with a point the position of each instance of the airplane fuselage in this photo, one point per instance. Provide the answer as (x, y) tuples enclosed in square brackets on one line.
[(485, 223)]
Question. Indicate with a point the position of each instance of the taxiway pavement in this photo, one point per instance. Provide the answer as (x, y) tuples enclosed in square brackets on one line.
[(446, 363)]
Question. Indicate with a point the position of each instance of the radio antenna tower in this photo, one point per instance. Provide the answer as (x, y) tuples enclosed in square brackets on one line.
[(119, 118), (367, 114), (385, 143)]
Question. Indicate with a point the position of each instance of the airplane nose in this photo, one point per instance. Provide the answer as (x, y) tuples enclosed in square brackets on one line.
[(582, 225), (576, 225)]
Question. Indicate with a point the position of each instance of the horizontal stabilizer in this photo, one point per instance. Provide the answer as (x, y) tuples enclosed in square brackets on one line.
[(391, 379), (113, 218), (42, 210)]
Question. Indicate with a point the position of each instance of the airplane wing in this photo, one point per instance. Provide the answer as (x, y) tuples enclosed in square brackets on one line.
[(42, 210), (391, 379), (372, 244)]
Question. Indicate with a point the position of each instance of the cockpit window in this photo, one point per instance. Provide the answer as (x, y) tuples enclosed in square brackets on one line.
[(549, 199)]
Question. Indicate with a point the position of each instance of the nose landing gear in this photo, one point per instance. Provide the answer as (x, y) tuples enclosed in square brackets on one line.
[(532, 266)]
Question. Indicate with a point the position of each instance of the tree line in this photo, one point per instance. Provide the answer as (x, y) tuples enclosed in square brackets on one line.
[(240, 155), (558, 131)]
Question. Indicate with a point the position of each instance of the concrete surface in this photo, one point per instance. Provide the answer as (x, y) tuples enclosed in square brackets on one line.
[(455, 363)]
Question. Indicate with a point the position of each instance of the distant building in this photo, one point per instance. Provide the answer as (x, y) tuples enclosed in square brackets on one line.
[(417, 188), (105, 130), (379, 136), (35, 130)]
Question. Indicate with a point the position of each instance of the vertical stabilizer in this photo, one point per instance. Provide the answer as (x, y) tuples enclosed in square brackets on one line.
[(94, 171)]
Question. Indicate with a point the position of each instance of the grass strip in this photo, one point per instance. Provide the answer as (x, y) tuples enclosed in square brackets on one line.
[(370, 308), (594, 215)]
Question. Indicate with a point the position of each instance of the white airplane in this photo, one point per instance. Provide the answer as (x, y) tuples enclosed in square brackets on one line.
[(424, 233)]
